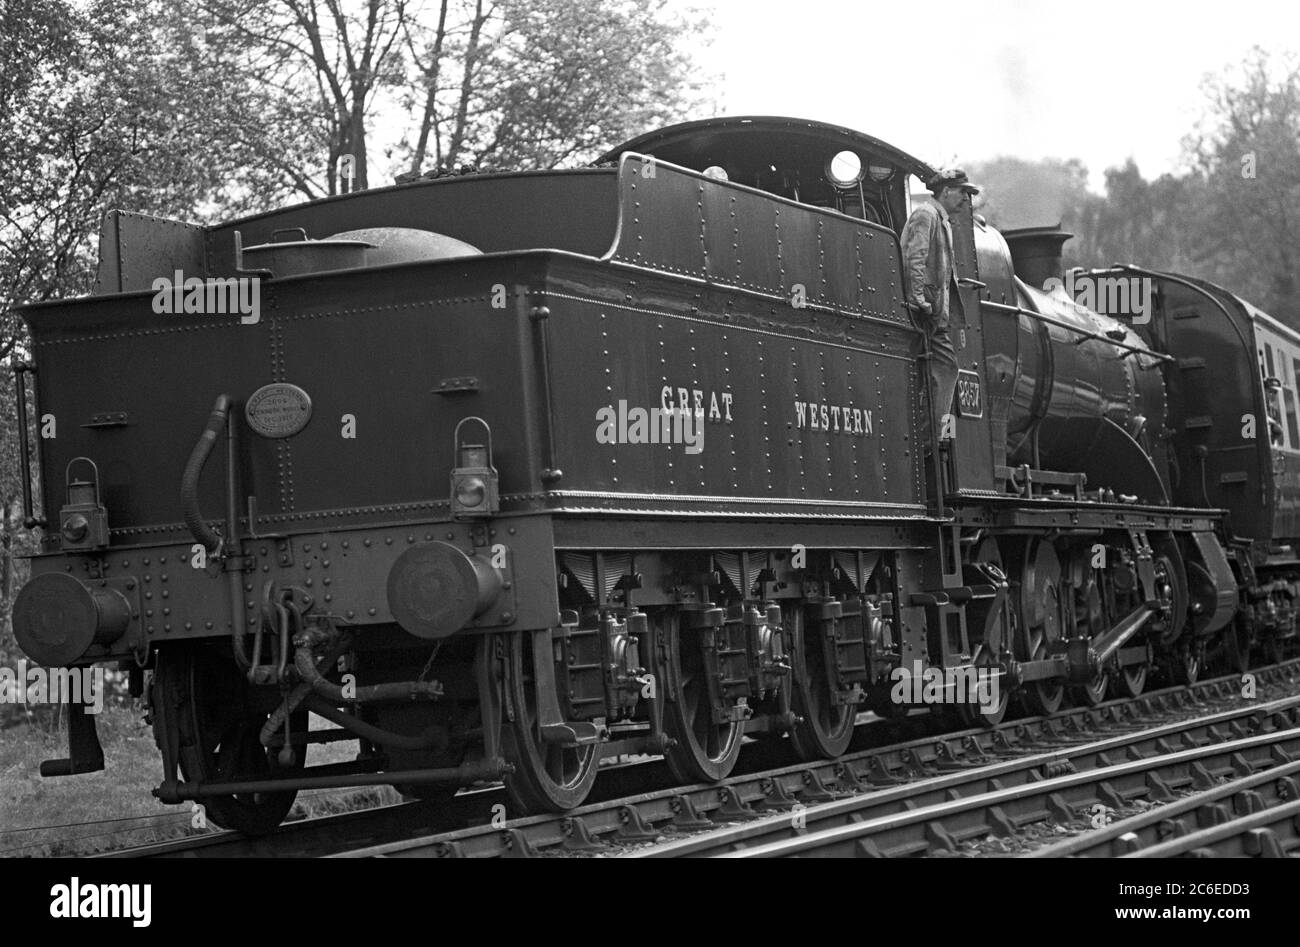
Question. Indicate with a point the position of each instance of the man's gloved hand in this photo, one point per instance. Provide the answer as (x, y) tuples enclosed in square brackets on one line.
[(921, 307)]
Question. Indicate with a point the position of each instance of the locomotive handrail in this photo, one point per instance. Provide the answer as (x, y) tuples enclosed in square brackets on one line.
[(30, 519), (1020, 310)]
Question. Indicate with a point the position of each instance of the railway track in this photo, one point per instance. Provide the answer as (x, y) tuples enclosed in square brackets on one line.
[(636, 821), (1064, 786), (1272, 833), (314, 836), (993, 811), (325, 835), (636, 804), (1254, 816)]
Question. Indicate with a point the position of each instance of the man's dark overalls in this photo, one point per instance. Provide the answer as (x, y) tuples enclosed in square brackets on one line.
[(930, 277)]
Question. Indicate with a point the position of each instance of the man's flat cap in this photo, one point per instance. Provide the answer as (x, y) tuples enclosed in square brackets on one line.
[(953, 177)]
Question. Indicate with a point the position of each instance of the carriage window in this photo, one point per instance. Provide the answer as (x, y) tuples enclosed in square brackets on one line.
[(1292, 420), (1273, 399)]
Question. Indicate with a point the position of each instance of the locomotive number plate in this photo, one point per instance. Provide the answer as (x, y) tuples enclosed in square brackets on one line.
[(278, 410), (970, 397)]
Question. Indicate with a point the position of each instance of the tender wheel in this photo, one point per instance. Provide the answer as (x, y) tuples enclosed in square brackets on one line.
[(827, 727), (1040, 623), (202, 700), (548, 777), (706, 750)]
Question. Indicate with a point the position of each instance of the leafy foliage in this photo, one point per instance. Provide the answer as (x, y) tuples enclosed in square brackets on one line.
[(1230, 218), (544, 83), (211, 109)]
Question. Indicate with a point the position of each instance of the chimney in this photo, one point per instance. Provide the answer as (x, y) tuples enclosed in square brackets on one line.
[(1036, 253)]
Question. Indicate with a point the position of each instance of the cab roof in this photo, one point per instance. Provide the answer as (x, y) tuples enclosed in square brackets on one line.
[(747, 140), (791, 158)]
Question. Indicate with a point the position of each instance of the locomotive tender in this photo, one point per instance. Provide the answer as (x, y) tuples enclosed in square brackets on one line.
[(384, 498)]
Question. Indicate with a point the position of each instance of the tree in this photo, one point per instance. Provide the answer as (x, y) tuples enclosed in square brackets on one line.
[(110, 106), (152, 106), (1149, 223), (503, 84), (325, 62), (539, 84), (1247, 150), (1231, 217), (106, 104)]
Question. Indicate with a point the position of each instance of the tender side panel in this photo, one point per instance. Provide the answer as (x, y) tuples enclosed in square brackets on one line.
[(683, 223), (375, 351), (791, 421)]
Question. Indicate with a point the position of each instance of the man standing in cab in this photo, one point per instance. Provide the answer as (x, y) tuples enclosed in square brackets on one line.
[(930, 285)]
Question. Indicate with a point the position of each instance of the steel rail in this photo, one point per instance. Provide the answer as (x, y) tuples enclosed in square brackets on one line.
[(1143, 745), (1272, 833), (641, 797), (1176, 821), (324, 835), (1004, 811), (646, 817)]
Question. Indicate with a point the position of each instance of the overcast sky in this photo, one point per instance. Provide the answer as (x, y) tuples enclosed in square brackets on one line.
[(957, 82)]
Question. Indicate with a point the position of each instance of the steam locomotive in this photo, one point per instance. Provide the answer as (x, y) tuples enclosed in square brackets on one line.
[(502, 475)]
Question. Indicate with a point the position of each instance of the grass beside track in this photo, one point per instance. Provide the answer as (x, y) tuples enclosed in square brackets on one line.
[(99, 812)]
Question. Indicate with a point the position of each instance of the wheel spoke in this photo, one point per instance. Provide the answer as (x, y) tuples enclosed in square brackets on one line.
[(826, 727), (703, 749), (548, 776)]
